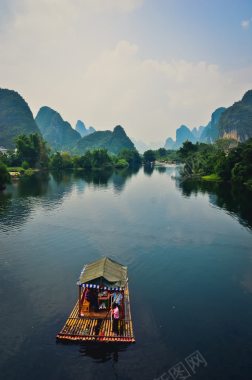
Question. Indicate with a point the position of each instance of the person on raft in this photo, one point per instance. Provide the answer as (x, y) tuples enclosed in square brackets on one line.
[(117, 297), (116, 315)]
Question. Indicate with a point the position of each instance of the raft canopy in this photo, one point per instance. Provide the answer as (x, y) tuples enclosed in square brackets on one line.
[(103, 272)]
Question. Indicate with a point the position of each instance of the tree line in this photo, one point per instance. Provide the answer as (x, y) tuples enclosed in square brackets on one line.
[(224, 160), (33, 153)]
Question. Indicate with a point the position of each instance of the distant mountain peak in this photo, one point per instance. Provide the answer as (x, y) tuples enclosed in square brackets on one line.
[(247, 97), (81, 128), (236, 121), (114, 141), (119, 130), (56, 131), (16, 118)]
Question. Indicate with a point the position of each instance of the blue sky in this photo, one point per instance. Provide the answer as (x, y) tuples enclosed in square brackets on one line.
[(149, 65)]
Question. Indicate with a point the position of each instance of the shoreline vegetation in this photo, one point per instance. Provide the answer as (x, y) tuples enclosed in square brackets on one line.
[(226, 160)]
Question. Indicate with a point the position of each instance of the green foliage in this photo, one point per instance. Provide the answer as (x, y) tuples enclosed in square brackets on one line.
[(132, 157), (83, 162), (187, 149), (33, 150), (95, 159), (161, 152), (4, 176), (62, 161), (67, 161), (218, 161), (149, 156), (56, 161), (121, 163), (211, 177), (30, 172), (166, 155), (15, 169), (25, 165), (100, 158)]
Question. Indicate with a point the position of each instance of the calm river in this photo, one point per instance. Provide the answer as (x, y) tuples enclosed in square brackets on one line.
[(188, 248)]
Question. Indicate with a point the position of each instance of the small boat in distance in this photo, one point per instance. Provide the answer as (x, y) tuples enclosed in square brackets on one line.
[(101, 285)]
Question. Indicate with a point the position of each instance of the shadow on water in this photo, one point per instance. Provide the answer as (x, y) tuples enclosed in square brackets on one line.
[(103, 352), (229, 197)]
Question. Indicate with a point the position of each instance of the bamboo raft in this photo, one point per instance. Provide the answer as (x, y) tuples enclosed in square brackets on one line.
[(97, 327)]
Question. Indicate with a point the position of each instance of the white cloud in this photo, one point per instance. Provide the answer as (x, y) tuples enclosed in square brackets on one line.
[(152, 98), (245, 24), (60, 53), (120, 5)]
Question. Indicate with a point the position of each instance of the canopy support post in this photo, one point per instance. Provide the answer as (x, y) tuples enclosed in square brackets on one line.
[(79, 300)]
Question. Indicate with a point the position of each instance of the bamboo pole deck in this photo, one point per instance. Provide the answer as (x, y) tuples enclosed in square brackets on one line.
[(84, 328)]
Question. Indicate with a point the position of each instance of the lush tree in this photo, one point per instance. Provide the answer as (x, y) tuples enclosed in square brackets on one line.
[(61, 161), (4, 176), (162, 152), (67, 160), (149, 156), (132, 157), (25, 165), (229, 161), (83, 162), (121, 163), (187, 149), (56, 161), (33, 149), (100, 158)]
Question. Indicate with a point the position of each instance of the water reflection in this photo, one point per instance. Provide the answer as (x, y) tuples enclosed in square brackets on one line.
[(105, 178), (103, 352), (120, 177), (98, 178), (161, 169), (149, 169), (226, 196), (23, 197), (33, 186), (49, 190)]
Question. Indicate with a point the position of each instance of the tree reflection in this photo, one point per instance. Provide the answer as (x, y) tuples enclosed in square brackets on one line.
[(227, 196), (120, 177), (160, 169), (33, 186), (98, 178), (148, 169)]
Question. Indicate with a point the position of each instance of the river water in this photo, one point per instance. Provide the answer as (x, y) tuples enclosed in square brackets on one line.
[(188, 248)]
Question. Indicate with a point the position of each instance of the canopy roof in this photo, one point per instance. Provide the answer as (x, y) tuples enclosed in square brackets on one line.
[(104, 269)]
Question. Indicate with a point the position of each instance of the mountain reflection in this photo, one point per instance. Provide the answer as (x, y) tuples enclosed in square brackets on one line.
[(226, 196)]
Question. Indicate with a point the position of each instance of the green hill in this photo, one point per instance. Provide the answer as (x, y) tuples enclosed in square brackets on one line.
[(236, 121), (15, 118), (114, 141), (57, 132)]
